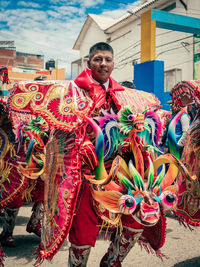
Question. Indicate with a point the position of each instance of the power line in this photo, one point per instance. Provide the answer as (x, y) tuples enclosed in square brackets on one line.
[(175, 48), (168, 50), (175, 41), (134, 45), (158, 47), (188, 11)]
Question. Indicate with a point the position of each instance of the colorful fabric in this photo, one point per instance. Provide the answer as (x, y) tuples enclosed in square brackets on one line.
[(189, 191), (62, 183), (95, 90), (121, 96), (20, 161), (88, 156), (13, 182), (62, 105), (186, 92), (65, 108), (4, 75), (182, 126), (137, 100), (78, 257), (120, 248)]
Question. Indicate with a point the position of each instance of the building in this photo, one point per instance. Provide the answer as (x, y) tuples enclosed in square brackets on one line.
[(26, 66), (50, 64), (180, 51), (10, 57)]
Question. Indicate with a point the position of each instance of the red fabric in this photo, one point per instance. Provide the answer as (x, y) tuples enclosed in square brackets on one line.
[(84, 229), (87, 154), (48, 105), (155, 235), (36, 195), (96, 92), (4, 74), (128, 221)]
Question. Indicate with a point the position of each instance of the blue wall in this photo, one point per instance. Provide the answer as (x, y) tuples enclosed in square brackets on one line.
[(149, 77), (167, 98)]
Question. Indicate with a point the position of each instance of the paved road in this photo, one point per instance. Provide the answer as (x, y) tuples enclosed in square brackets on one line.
[(182, 246)]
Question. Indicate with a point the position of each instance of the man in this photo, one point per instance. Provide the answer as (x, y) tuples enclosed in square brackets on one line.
[(96, 80), (97, 83), (182, 125)]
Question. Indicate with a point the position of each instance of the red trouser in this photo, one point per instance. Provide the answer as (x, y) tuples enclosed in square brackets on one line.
[(84, 229)]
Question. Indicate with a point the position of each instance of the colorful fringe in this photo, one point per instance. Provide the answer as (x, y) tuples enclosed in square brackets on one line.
[(2, 256)]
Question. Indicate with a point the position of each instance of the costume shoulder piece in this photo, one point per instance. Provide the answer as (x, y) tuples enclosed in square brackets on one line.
[(63, 107), (137, 99), (61, 104)]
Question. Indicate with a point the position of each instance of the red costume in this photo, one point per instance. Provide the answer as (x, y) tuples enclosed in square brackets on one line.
[(69, 153), (84, 230), (85, 225)]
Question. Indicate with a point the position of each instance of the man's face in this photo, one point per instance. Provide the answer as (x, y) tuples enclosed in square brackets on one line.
[(101, 65)]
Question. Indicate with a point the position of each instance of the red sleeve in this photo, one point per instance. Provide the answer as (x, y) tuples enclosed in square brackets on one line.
[(88, 156)]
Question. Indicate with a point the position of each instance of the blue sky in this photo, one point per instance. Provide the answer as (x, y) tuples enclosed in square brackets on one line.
[(50, 28)]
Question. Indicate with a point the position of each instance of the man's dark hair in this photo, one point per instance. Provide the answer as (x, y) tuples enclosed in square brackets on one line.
[(100, 46), (128, 84)]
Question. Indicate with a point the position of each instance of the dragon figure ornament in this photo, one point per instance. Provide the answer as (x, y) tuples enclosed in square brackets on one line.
[(133, 188)]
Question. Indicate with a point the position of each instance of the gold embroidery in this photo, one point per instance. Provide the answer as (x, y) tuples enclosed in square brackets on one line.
[(107, 223), (27, 192), (5, 169)]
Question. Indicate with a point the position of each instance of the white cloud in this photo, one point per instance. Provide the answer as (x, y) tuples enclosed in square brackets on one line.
[(79, 3), (35, 32), (4, 4), (28, 4), (69, 11), (122, 10), (51, 32), (91, 3)]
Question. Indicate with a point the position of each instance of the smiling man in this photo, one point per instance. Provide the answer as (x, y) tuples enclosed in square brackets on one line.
[(96, 80), (101, 62), (102, 89)]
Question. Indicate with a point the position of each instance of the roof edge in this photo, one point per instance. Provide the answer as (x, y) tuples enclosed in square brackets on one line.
[(82, 32), (133, 15)]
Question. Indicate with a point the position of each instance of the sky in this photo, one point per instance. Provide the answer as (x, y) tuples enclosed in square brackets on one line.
[(50, 28)]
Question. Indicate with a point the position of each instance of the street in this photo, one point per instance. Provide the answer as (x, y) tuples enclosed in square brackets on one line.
[(182, 247)]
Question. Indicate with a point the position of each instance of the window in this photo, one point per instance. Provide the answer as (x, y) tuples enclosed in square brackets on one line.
[(172, 77)]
